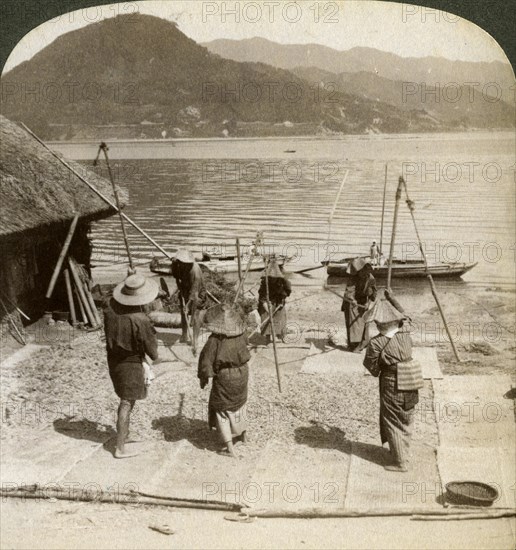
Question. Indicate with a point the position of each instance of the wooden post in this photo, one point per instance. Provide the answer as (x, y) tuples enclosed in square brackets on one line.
[(383, 209), (411, 208), (239, 259), (271, 320), (393, 236), (70, 297), (78, 285), (105, 148), (62, 256)]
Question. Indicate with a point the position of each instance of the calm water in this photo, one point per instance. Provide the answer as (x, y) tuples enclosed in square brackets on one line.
[(204, 193)]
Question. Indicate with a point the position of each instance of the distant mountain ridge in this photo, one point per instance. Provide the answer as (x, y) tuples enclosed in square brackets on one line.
[(431, 70), (139, 76)]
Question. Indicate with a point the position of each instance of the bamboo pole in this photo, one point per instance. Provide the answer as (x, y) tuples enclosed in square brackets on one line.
[(239, 259), (314, 513), (91, 303), (411, 208), (62, 256), (70, 296), (472, 515), (78, 285), (15, 306), (393, 236), (103, 146), (13, 324), (330, 220), (81, 307), (273, 330), (383, 209), (97, 192)]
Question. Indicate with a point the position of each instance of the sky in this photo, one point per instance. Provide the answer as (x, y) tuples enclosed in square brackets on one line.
[(403, 29)]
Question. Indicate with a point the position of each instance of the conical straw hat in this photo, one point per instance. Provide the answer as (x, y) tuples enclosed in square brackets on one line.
[(185, 256), (356, 265), (136, 290), (273, 269), (224, 319), (383, 312)]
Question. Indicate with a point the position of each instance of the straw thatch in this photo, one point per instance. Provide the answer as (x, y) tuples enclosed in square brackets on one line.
[(37, 190)]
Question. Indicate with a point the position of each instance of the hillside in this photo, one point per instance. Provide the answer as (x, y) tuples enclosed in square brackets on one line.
[(431, 70), (460, 106), (139, 76)]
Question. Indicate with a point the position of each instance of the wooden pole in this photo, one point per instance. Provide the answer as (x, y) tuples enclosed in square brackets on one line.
[(70, 296), (81, 307), (242, 280), (13, 324), (91, 303), (330, 220), (78, 285), (15, 306), (393, 236), (105, 149), (273, 330), (411, 208), (97, 192), (239, 259), (62, 256), (383, 209)]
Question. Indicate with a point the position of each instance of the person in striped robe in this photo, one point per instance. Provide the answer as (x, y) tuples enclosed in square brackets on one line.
[(397, 408)]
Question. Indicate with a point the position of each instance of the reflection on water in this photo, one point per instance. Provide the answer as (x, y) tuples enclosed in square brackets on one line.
[(463, 190)]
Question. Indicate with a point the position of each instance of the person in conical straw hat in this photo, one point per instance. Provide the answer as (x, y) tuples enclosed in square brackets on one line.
[(130, 336), (190, 283), (397, 408), (224, 360), (279, 290), (359, 295)]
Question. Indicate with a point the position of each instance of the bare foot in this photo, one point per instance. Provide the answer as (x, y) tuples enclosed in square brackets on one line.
[(243, 437), (125, 454)]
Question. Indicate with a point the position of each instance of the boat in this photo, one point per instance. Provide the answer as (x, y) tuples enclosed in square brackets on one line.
[(403, 268), (219, 263)]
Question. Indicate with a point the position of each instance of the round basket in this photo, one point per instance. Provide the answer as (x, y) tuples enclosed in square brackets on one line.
[(472, 493)]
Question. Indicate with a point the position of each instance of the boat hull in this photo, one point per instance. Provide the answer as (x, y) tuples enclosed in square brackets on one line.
[(406, 270)]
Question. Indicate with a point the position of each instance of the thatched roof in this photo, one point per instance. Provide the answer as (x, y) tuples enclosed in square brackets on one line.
[(37, 190)]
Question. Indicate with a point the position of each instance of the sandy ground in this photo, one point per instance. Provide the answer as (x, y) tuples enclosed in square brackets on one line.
[(68, 379)]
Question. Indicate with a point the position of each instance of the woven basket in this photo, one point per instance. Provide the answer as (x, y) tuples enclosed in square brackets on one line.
[(471, 493)]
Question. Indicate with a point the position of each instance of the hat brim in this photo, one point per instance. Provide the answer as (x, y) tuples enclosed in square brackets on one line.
[(224, 330), (147, 294)]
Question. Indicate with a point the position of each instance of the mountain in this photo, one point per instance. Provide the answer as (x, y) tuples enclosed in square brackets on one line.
[(139, 76), (434, 71), (459, 106)]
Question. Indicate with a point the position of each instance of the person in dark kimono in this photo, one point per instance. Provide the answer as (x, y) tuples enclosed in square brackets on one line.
[(279, 290), (397, 408), (358, 297), (130, 336), (189, 280), (224, 360)]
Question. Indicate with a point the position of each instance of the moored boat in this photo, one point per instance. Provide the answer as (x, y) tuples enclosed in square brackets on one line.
[(403, 268), (218, 263)]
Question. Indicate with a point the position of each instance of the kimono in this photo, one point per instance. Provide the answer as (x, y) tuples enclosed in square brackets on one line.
[(279, 290), (363, 292), (224, 359), (397, 408), (129, 337)]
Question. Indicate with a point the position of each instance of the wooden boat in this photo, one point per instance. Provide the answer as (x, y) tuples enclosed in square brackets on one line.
[(218, 263), (403, 269)]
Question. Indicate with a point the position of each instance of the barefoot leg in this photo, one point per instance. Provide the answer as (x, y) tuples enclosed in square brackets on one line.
[(122, 428)]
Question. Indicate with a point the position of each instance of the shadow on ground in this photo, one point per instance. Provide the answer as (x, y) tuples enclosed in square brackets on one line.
[(179, 427), (84, 429), (320, 436)]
